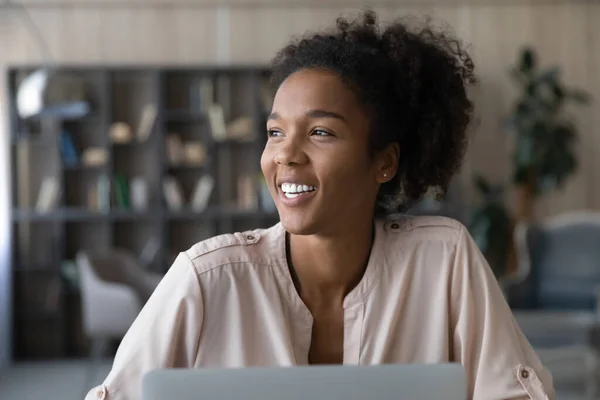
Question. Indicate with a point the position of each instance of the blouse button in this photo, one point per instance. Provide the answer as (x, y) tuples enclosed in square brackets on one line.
[(395, 226), (250, 237), (524, 374)]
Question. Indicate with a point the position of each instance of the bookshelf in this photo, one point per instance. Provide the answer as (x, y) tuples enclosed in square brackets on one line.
[(99, 181)]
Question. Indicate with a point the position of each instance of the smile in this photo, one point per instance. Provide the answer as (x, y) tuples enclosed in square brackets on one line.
[(293, 190)]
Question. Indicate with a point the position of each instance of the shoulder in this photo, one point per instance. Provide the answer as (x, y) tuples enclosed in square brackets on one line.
[(258, 246), (423, 229)]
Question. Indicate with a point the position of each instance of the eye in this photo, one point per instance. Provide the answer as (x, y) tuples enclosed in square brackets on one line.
[(321, 132), (274, 133)]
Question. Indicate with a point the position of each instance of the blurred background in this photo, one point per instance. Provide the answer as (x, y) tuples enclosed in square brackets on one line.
[(131, 129)]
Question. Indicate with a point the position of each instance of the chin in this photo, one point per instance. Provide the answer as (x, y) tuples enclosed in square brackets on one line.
[(298, 225)]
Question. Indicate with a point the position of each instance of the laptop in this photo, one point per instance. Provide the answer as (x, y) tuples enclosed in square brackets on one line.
[(382, 382)]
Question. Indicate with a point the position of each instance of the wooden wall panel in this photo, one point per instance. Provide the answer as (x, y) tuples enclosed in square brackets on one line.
[(245, 32)]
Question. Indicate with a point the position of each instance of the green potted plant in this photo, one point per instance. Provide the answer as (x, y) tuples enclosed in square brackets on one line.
[(543, 159), (490, 225), (545, 134)]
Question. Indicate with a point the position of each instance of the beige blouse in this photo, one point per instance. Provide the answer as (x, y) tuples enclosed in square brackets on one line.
[(427, 296)]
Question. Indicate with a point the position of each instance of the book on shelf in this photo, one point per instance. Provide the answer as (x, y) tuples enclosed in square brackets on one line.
[(147, 121), (121, 191), (138, 194), (173, 194), (48, 195), (103, 193), (216, 119), (201, 94), (68, 150), (202, 192), (247, 194)]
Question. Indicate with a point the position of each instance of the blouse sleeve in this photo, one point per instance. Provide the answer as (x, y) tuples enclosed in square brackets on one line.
[(499, 361), (164, 335)]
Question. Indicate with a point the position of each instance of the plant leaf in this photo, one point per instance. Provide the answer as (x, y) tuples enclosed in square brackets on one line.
[(549, 76), (579, 96), (528, 60), (482, 185)]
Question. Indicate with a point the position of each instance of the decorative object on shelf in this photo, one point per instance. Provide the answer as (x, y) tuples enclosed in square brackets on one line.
[(491, 226), (216, 118), (174, 149), (195, 153), (545, 134), (121, 133), (173, 194), (94, 157), (147, 121), (139, 194), (202, 192), (241, 129), (48, 195), (247, 196), (68, 150), (54, 94)]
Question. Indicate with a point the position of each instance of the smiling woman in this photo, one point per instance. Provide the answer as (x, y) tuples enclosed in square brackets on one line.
[(365, 121)]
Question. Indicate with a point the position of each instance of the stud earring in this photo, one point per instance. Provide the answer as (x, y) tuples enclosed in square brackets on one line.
[(385, 175)]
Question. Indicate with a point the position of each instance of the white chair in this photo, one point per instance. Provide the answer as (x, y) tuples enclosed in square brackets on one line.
[(114, 287)]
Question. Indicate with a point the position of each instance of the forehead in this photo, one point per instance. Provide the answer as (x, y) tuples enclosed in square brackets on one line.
[(314, 89)]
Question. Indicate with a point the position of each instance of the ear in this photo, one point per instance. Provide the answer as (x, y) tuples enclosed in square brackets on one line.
[(387, 163)]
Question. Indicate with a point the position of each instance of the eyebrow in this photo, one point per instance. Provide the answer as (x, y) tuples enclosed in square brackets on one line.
[(316, 113)]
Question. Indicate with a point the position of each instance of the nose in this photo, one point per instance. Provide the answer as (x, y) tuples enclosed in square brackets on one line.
[(290, 152)]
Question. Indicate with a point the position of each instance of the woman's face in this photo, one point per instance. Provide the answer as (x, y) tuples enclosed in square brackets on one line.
[(316, 161)]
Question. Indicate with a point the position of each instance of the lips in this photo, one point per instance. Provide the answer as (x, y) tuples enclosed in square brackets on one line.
[(293, 190), (295, 193)]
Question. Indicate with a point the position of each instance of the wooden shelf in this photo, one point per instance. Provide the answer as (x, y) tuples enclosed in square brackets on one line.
[(218, 213), (122, 94), (187, 168), (37, 269), (185, 116), (85, 168), (74, 214)]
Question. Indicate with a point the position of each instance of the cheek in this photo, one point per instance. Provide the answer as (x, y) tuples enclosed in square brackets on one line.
[(265, 162), (348, 174)]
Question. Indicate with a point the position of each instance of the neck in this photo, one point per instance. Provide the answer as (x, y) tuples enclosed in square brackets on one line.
[(326, 269)]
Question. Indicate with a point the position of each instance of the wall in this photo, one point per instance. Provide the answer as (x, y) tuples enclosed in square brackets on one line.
[(249, 32)]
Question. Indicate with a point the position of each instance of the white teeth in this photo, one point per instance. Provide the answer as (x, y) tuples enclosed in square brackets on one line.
[(293, 188)]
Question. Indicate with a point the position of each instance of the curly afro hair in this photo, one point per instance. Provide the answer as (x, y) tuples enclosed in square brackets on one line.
[(413, 83)]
